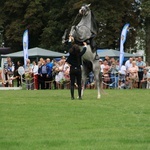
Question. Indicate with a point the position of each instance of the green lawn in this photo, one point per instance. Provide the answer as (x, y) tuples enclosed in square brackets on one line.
[(50, 120)]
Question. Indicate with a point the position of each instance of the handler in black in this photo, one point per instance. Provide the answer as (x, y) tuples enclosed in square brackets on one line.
[(74, 59)]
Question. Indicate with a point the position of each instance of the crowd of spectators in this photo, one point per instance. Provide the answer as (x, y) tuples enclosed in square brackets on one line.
[(44, 74), (48, 74), (134, 73)]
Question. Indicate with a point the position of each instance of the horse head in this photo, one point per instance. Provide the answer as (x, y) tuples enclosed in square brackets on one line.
[(84, 10)]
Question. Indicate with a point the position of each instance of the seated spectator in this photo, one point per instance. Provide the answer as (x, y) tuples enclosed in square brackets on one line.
[(144, 80), (90, 81), (125, 84)]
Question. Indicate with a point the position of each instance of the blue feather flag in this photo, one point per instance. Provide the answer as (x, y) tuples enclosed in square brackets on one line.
[(25, 46), (122, 41)]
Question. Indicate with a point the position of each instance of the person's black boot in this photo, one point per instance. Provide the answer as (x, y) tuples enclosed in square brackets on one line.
[(79, 92), (72, 92)]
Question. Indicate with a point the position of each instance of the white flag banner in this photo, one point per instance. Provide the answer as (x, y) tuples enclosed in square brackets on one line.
[(25, 46), (122, 41)]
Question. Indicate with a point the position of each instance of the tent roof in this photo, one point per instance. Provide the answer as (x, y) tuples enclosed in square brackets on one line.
[(35, 52), (113, 53), (32, 52)]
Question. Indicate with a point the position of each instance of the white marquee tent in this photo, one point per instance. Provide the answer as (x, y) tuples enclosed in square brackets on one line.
[(35, 52)]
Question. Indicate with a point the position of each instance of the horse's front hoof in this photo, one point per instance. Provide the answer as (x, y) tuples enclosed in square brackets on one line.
[(99, 96)]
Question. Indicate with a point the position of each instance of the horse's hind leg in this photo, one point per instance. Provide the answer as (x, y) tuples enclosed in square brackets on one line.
[(98, 84), (96, 70), (84, 77), (83, 86)]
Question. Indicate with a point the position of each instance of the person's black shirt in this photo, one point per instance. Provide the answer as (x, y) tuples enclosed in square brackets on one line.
[(75, 60)]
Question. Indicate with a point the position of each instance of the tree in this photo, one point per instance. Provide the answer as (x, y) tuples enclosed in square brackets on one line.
[(59, 18), (22, 15), (47, 21), (12, 22), (146, 14)]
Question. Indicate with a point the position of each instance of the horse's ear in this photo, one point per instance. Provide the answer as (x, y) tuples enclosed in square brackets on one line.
[(88, 5)]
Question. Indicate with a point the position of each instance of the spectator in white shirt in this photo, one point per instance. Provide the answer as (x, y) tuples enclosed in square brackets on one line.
[(128, 64), (35, 74)]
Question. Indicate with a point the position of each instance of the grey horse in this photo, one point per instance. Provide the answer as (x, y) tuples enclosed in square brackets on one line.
[(85, 31)]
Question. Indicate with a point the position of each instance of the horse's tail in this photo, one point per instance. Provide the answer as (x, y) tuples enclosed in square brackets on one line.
[(100, 79)]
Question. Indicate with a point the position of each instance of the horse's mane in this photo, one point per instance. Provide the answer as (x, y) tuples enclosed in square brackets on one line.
[(94, 23)]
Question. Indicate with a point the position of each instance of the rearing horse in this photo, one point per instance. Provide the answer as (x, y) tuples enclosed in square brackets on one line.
[(85, 31)]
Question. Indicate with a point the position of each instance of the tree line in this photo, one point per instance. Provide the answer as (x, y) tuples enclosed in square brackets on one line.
[(47, 20)]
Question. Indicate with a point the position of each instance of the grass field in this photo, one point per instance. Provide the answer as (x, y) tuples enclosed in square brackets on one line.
[(50, 120)]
